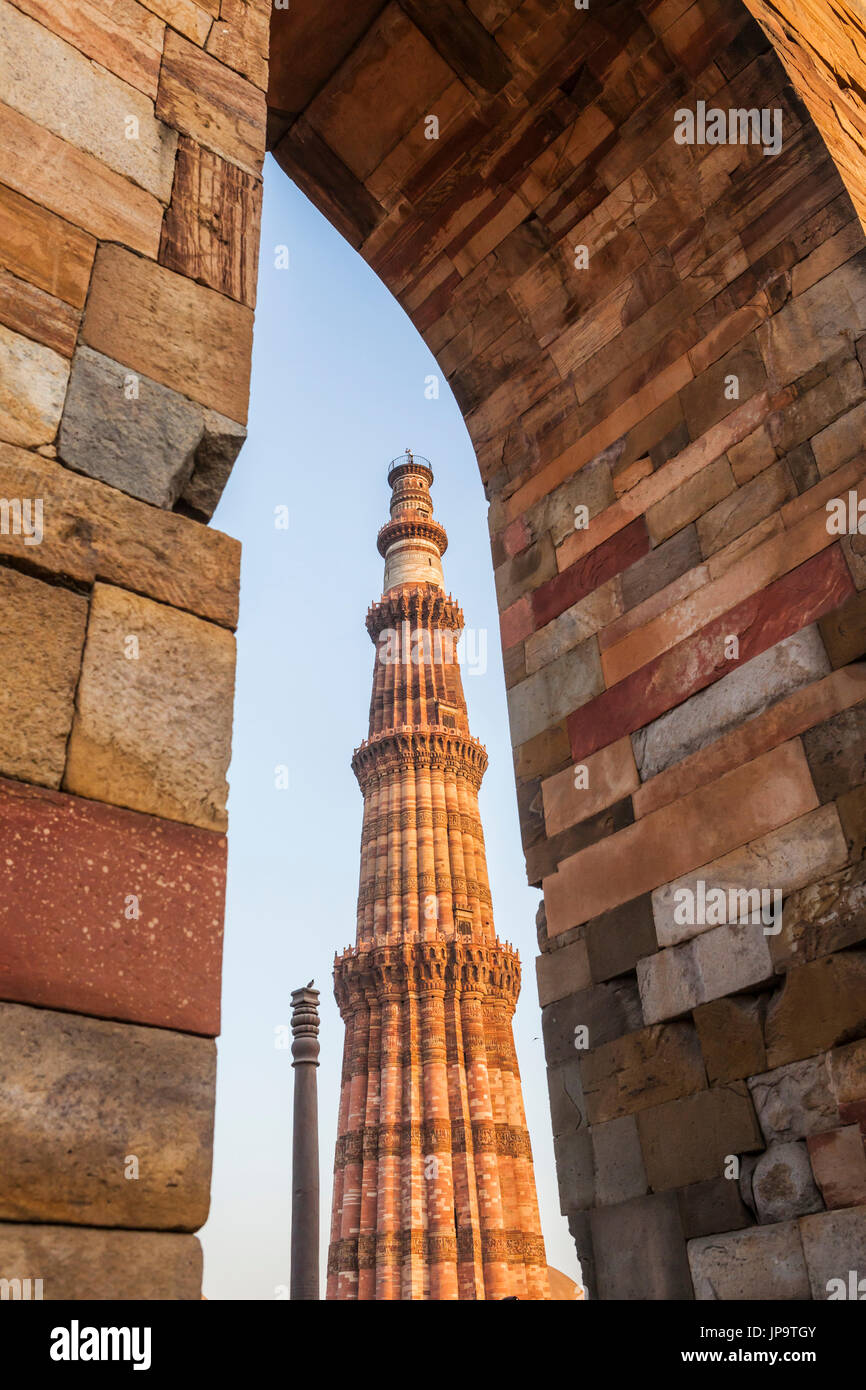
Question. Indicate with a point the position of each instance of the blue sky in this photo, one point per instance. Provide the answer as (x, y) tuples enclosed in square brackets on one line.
[(338, 389)]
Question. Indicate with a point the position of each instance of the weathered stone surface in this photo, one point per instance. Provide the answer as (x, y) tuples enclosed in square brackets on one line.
[(606, 1011), (76, 186), (743, 805), (576, 624), (617, 939), (51, 83), (687, 1140), (41, 638), (565, 1093), (87, 531), (32, 387), (129, 744), (573, 1152), (44, 249), (847, 1068), (126, 1091), (143, 438), (840, 441), (652, 1225), (782, 1183), (192, 20), (844, 631), (823, 917), (80, 1263), (655, 1065), (788, 717), (732, 1039), (787, 859), (140, 936), (836, 751), (838, 1159), (745, 507), (124, 38), (619, 1169), (713, 1205), (723, 960), (690, 500), (690, 663), (820, 1005), (660, 567), (765, 1263), (834, 1242), (562, 972), (37, 315), (211, 229), (545, 697), (795, 1101), (742, 694), (610, 775), (587, 574), (812, 327), (178, 333), (213, 105)]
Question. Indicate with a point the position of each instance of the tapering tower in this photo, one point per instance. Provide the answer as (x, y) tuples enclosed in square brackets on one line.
[(434, 1190)]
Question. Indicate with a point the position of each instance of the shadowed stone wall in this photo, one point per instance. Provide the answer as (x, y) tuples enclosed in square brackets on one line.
[(657, 349)]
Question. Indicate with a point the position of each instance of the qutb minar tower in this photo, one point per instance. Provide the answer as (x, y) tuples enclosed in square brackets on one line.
[(434, 1189)]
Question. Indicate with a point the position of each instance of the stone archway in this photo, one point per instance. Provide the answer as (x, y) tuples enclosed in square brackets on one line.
[(664, 334)]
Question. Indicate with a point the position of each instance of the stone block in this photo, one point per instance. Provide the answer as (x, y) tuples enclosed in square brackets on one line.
[(522, 572), (569, 797), (690, 663), (151, 446), (80, 1263), (838, 1159), (650, 1067), (619, 1169), (51, 83), (240, 39), (41, 639), (33, 381), (712, 1205), (563, 972), (789, 716), (574, 1172), (834, 1242), (847, 1070), (640, 1249), (795, 1101), (732, 1038), (214, 106), (168, 328), (581, 1234), (797, 854), (192, 20), (44, 249), (617, 939), (690, 500), (140, 935), (840, 441), (174, 560), (711, 821), (76, 186), (836, 751), (130, 745), (547, 696), (126, 1092), (809, 412), (823, 917), (782, 1183), (745, 692), (567, 1101), (745, 508), (688, 1140), (706, 400), (812, 328), (579, 580), (211, 229), (606, 1011), (663, 564), (764, 1263), (36, 315), (844, 631), (819, 1006), (576, 624)]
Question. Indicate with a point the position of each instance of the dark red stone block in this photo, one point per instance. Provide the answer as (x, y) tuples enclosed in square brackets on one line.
[(610, 558), (72, 875), (791, 603)]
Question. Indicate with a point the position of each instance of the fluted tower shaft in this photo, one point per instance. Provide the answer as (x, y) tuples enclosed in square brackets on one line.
[(434, 1190)]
